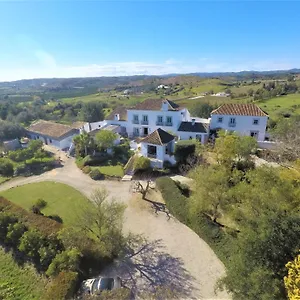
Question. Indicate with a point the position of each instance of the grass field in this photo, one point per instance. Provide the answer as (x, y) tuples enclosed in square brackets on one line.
[(278, 105), (112, 170), (19, 283), (61, 199)]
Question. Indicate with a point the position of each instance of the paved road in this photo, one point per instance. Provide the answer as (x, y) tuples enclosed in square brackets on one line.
[(172, 254)]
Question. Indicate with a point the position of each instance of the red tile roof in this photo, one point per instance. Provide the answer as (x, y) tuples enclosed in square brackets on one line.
[(239, 109)]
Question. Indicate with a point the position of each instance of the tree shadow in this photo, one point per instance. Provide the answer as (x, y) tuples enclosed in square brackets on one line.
[(159, 207), (146, 267)]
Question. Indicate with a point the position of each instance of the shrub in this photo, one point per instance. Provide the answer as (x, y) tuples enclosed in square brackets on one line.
[(94, 160), (95, 174), (57, 218), (36, 210), (175, 201), (41, 203), (183, 150), (62, 286), (86, 169), (14, 233), (5, 220), (21, 170), (6, 167), (30, 243), (141, 163), (66, 260)]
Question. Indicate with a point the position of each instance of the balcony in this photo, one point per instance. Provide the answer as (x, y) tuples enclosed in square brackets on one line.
[(158, 123), (169, 124), (143, 122), (135, 121), (231, 124)]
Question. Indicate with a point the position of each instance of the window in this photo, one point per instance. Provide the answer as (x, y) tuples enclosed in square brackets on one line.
[(232, 122), (255, 122), (135, 119), (145, 119), (220, 119), (159, 119), (254, 134), (169, 121), (136, 131), (50, 141)]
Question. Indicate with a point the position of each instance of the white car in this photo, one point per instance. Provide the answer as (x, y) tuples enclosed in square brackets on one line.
[(92, 286)]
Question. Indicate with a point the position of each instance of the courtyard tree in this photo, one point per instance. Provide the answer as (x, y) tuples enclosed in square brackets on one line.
[(105, 139), (82, 143)]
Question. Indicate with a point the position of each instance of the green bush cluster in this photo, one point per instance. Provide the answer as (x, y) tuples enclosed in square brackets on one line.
[(141, 163), (184, 149), (6, 167), (95, 174)]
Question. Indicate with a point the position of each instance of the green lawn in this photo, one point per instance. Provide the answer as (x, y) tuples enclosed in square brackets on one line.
[(116, 170), (19, 283), (275, 106), (62, 199)]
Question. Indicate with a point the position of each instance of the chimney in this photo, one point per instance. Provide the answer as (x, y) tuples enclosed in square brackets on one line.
[(193, 121), (117, 117)]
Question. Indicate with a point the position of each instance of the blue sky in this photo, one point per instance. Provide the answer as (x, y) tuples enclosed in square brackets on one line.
[(96, 38)]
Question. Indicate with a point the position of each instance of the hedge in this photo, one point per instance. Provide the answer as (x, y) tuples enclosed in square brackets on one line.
[(45, 225), (175, 201), (183, 149), (62, 287)]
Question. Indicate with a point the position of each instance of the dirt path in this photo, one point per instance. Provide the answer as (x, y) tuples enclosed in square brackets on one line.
[(173, 254)]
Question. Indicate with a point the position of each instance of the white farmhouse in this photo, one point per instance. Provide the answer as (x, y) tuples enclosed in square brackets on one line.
[(159, 147), (245, 119)]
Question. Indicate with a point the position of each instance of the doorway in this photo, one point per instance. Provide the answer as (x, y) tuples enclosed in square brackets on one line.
[(145, 131)]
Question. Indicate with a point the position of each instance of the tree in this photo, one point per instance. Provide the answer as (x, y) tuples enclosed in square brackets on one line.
[(202, 110), (91, 112), (103, 221), (67, 260), (30, 243), (105, 139), (14, 233), (292, 280), (230, 147), (82, 143), (287, 133), (141, 163)]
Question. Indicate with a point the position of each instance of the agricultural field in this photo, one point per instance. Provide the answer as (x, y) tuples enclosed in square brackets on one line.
[(276, 107), (62, 200), (19, 282)]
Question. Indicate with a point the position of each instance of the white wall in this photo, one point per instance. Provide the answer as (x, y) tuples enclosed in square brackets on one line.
[(244, 124), (185, 135), (177, 118)]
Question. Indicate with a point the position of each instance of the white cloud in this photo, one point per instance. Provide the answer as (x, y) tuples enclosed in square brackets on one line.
[(48, 68)]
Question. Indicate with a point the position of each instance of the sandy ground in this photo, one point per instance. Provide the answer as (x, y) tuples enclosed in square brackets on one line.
[(171, 254)]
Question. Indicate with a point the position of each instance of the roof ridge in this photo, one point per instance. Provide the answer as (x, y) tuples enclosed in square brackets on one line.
[(159, 135)]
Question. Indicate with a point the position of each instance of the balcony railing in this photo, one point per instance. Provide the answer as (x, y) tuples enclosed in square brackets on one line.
[(158, 123), (135, 121), (231, 124), (143, 122), (169, 124)]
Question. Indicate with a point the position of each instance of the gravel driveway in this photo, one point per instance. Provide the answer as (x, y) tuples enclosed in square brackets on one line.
[(171, 254)]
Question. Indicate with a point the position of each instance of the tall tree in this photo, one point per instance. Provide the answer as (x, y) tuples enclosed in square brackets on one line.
[(105, 139), (92, 112)]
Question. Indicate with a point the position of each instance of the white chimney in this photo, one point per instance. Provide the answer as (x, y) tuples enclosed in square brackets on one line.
[(193, 121), (165, 105), (117, 117)]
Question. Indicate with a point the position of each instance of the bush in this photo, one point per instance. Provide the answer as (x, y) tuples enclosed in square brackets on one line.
[(41, 203), (141, 163), (62, 286), (6, 167), (66, 260), (21, 170), (36, 210), (95, 174), (14, 233), (86, 169), (175, 201), (5, 220), (94, 160), (57, 218), (183, 150)]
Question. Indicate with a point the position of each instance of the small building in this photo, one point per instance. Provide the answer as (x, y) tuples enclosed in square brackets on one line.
[(159, 146), (12, 145), (194, 130), (51, 133), (245, 119)]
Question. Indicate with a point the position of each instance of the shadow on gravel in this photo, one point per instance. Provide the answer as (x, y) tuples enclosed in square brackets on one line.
[(147, 268)]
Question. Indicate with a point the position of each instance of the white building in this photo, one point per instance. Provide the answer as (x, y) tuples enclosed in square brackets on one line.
[(245, 119), (54, 134), (159, 146), (152, 114)]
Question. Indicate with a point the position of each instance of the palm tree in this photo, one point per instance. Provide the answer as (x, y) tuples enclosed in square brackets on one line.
[(82, 142)]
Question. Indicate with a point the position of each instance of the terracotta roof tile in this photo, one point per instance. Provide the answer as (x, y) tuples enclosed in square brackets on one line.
[(51, 129), (121, 110), (158, 137), (239, 109)]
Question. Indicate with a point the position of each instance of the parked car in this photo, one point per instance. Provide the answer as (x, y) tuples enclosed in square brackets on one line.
[(96, 285)]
